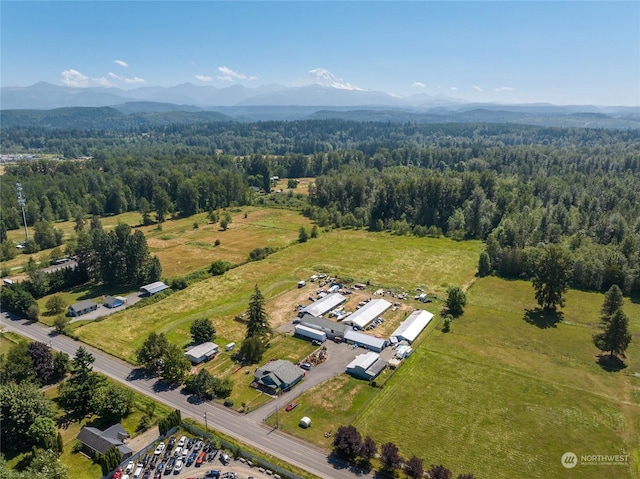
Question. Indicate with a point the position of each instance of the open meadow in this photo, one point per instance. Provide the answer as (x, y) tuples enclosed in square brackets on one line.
[(498, 396)]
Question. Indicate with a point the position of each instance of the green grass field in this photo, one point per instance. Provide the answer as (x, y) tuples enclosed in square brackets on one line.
[(498, 396)]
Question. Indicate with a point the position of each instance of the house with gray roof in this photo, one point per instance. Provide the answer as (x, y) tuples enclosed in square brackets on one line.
[(97, 442), (277, 376), (331, 328), (82, 307)]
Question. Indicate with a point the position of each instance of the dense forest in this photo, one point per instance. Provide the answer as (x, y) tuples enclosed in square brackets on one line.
[(516, 187)]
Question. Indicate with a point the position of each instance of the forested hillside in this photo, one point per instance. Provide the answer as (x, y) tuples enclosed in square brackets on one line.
[(517, 187)]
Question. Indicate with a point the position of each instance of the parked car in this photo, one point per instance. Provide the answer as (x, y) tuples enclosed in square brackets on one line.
[(172, 442), (291, 406), (178, 467), (191, 459), (212, 474), (200, 459), (224, 458), (315, 342), (182, 441), (190, 442), (306, 366), (159, 449), (129, 468)]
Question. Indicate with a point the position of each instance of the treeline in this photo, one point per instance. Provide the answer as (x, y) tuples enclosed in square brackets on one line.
[(516, 187)]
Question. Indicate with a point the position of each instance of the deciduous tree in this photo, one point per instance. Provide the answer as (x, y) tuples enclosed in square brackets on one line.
[(347, 442), (456, 300), (368, 449), (414, 468), (551, 277), (390, 456), (56, 304), (42, 359), (174, 365), (151, 351), (439, 472), (202, 331)]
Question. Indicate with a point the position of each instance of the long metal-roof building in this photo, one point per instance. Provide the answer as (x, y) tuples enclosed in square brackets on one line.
[(370, 311), (323, 305), (330, 328), (411, 327), (365, 341)]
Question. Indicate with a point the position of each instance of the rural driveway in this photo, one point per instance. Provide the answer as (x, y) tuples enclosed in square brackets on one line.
[(287, 448), (339, 355), (102, 310)]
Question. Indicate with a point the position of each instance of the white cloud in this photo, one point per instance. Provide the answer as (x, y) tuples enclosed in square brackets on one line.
[(204, 78), (477, 88), (121, 63), (504, 88), (125, 79), (453, 88), (229, 75), (419, 84), (135, 80), (74, 78)]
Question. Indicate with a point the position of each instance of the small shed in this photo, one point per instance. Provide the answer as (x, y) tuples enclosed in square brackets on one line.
[(82, 307), (305, 422), (153, 288), (202, 352), (113, 301)]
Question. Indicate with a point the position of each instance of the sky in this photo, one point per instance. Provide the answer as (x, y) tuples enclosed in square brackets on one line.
[(562, 52)]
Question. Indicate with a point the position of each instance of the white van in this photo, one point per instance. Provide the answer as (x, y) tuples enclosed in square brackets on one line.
[(177, 452), (138, 473), (182, 441)]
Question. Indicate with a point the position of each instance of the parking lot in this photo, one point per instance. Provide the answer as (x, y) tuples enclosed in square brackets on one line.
[(177, 459)]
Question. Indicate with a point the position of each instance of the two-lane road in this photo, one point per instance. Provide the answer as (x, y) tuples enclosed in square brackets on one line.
[(298, 453)]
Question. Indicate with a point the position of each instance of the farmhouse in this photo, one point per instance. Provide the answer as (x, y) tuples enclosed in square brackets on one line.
[(98, 442), (365, 341), (411, 327), (370, 311), (153, 288), (277, 376), (113, 301), (323, 305), (202, 352), (82, 307), (366, 366), (330, 328)]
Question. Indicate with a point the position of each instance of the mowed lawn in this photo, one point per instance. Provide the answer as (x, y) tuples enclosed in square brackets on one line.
[(503, 398)]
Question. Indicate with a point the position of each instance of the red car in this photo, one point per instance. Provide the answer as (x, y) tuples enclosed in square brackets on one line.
[(117, 474), (291, 406)]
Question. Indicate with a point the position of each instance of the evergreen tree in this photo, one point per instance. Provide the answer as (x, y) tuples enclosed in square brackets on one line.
[(484, 264), (303, 236), (615, 338), (258, 324), (612, 302)]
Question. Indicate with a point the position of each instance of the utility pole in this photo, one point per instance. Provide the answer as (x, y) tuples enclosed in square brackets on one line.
[(21, 202), (277, 423), (206, 425)]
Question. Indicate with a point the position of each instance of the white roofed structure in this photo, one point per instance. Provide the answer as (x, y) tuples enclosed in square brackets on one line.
[(411, 327), (324, 305), (366, 366), (365, 341), (202, 352), (370, 311)]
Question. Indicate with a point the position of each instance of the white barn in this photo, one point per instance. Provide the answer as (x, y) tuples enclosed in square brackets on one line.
[(411, 327), (202, 352), (365, 315), (324, 305)]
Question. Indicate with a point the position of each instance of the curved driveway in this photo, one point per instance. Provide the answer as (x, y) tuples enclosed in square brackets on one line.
[(298, 453)]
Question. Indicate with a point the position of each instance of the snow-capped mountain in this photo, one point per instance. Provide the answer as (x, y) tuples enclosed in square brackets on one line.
[(322, 77)]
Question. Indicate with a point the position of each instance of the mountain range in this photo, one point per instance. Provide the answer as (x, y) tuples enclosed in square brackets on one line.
[(319, 94)]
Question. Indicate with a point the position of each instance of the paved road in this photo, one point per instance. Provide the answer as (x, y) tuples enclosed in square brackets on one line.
[(298, 453)]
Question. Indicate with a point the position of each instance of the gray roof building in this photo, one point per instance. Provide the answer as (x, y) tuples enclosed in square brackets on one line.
[(331, 328), (99, 442), (153, 288), (202, 352), (277, 376), (365, 340), (366, 366), (82, 307)]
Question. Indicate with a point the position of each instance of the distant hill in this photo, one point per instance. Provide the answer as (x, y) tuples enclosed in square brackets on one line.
[(105, 118)]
